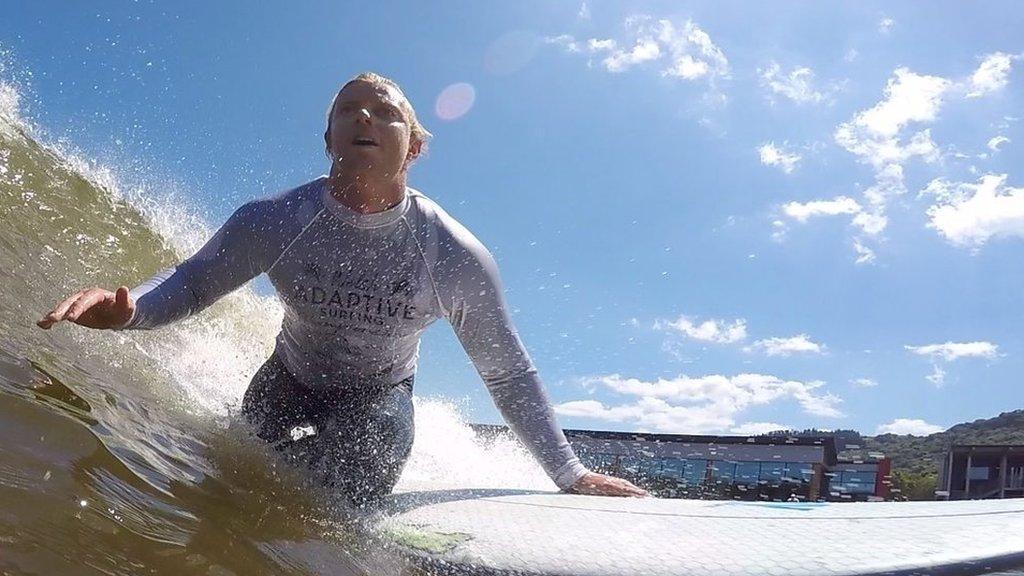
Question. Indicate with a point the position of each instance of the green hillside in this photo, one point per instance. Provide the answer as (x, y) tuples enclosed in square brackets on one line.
[(915, 459), (921, 454)]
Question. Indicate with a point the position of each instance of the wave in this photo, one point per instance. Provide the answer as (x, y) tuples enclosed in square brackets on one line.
[(130, 437)]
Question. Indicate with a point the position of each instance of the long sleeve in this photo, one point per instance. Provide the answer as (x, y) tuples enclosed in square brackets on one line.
[(228, 260), (479, 316)]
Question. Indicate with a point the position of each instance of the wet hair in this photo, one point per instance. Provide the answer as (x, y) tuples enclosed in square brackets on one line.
[(417, 133)]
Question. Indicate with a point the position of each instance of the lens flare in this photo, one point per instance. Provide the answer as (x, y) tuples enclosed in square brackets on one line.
[(455, 101), (511, 52)]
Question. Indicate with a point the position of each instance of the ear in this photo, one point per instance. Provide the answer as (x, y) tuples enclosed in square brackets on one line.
[(414, 149)]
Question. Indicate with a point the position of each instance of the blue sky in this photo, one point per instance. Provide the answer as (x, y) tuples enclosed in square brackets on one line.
[(711, 217)]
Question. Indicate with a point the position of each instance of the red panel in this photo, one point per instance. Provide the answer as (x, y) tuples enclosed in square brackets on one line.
[(883, 478)]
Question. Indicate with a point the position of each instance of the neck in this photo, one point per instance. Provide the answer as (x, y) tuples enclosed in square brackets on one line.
[(365, 195)]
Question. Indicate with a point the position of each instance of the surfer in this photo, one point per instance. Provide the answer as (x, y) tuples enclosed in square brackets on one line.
[(362, 264)]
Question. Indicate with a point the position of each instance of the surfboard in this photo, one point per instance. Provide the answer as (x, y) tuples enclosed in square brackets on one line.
[(504, 532)]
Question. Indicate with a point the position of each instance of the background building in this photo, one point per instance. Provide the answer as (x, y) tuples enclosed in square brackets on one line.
[(869, 479), (775, 468), (974, 471), (681, 466)]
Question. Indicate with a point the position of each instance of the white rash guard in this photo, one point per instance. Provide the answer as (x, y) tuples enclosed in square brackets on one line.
[(359, 290)]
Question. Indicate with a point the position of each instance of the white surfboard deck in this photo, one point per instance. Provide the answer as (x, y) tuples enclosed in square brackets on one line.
[(516, 532)]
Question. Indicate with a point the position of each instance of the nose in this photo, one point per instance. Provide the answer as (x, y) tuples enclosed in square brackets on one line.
[(363, 115)]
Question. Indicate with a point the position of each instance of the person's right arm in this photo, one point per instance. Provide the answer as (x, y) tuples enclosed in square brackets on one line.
[(228, 260)]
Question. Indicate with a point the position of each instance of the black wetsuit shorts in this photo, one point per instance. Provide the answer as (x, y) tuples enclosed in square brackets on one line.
[(353, 439)]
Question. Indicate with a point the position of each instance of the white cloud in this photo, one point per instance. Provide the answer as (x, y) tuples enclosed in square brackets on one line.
[(865, 255), (885, 137), (708, 404), (992, 74), (885, 25), (778, 230), (566, 41), (971, 214), (870, 222), (686, 50), (644, 50), (911, 426), (997, 141), (772, 155), (756, 428), (693, 54), (874, 137), (801, 212), (584, 13), (584, 409), (909, 97), (797, 84), (713, 330), (786, 346), (687, 67), (851, 55), (864, 382), (937, 377), (951, 351)]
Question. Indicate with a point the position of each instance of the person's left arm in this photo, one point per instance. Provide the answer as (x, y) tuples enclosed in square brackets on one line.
[(478, 313)]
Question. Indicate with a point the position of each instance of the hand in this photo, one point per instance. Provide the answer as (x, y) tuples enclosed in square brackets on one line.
[(93, 308), (602, 485)]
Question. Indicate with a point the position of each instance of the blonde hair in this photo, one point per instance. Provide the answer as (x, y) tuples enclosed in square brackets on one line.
[(416, 130)]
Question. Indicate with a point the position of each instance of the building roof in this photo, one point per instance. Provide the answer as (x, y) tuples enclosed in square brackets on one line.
[(981, 447), (826, 442)]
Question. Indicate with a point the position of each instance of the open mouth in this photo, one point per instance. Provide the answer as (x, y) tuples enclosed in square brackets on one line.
[(364, 142)]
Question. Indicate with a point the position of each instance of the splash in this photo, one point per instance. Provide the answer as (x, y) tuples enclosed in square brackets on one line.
[(85, 223)]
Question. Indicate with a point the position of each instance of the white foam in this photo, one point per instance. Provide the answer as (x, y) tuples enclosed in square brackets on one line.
[(9, 102), (209, 357), (448, 454), (10, 110)]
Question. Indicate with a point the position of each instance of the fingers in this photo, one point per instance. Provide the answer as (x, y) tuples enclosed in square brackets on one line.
[(626, 488), (602, 485), (57, 314), (124, 308), (86, 301), (121, 297), (73, 307), (636, 491)]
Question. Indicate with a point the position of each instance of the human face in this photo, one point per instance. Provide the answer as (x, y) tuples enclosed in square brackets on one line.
[(369, 134)]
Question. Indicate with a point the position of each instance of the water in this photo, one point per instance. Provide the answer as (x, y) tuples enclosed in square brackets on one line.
[(122, 453)]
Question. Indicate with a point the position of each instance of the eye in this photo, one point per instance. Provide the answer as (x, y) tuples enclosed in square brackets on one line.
[(389, 112)]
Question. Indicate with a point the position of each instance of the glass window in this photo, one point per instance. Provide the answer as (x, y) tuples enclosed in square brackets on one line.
[(695, 471), (672, 467), (599, 460), (978, 473), (854, 482), (723, 471), (772, 473), (747, 472), (630, 465), (799, 472), (650, 466)]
